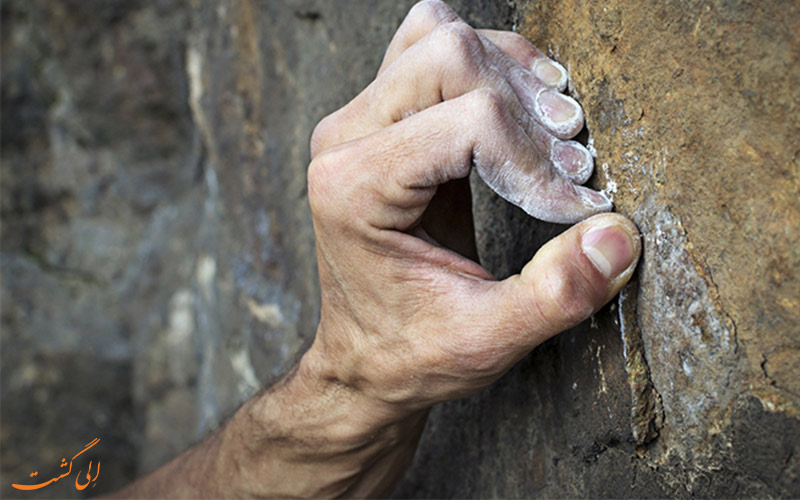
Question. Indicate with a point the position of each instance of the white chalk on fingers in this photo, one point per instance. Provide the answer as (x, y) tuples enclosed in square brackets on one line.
[(573, 160), (559, 113), (594, 200), (550, 73), (548, 197)]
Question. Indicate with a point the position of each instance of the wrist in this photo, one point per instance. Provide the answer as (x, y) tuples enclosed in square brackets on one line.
[(318, 436)]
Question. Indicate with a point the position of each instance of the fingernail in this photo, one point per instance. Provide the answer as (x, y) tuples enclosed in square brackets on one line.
[(596, 200), (549, 72), (556, 107), (610, 248), (571, 157)]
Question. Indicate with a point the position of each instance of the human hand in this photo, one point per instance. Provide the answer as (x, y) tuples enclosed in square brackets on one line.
[(406, 321)]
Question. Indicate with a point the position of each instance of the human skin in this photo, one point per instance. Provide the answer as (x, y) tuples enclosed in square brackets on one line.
[(409, 318)]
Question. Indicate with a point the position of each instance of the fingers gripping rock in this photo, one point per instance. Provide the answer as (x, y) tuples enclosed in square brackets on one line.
[(541, 194), (521, 170), (436, 59)]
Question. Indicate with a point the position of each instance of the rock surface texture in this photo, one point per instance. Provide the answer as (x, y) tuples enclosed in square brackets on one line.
[(158, 262)]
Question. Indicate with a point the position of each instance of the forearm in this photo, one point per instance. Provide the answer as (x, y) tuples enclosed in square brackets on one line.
[(307, 436), (186, 476)]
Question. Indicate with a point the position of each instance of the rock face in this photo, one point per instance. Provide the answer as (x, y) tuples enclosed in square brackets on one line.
[(690, 383), (158, 258)]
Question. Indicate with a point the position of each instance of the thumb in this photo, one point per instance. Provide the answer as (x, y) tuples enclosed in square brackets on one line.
[(568, 279)]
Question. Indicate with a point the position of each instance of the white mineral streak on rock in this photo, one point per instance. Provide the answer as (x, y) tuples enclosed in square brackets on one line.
[(181, 317), (603, 384), (206, 271), (689, 344), (194, 73), (590, 146), (611, 185), (269, 314), (178, 349), (194, 70), (247, 383)]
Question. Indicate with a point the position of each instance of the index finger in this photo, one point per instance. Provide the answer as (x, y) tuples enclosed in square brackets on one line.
[(423, 18), (426, 16), (529, 56)]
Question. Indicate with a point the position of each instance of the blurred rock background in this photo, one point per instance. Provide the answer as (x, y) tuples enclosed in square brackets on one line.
[(158, 258)]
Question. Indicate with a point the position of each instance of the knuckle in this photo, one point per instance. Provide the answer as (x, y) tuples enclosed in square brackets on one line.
[(427, 12), (321, 174), (522, 44), (324, 134), (456, 54), (564, 298), (487, 104), (462, 39), (517, 39)]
